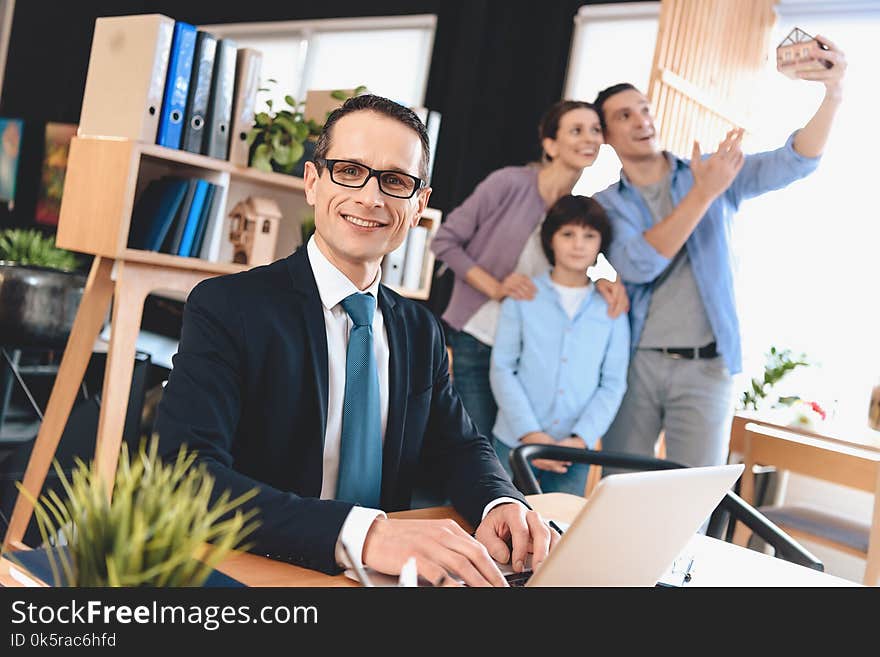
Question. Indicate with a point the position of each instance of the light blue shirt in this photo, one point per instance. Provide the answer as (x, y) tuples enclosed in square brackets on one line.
[(639, 263), (557, 374)]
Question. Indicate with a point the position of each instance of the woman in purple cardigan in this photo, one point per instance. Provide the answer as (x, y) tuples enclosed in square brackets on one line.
[(491, 243)]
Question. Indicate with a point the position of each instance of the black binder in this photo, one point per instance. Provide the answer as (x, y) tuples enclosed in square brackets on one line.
[(220, 103), (199, 93)]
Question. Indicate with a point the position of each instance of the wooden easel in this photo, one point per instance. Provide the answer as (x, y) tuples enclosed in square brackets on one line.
[(128, 284)]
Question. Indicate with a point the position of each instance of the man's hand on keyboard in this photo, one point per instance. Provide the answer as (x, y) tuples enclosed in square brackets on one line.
[(525, 530), (444, 552)]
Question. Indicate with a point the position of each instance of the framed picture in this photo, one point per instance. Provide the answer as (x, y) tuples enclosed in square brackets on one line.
[(10, 152), (58, 137)]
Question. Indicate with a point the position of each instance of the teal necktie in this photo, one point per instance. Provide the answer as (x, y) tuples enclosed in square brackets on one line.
[(360, 452)]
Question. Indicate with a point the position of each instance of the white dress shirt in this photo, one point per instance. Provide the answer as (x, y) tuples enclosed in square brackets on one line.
[(333, 287)]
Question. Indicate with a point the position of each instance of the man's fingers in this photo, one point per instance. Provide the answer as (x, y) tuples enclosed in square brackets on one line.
[(696, 155), (520, 541), (540, 533), (470, 559), (496, 547)]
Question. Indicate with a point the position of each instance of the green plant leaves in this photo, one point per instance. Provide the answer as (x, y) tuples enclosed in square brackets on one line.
[(160, 529), (261, 159), (31, 247)]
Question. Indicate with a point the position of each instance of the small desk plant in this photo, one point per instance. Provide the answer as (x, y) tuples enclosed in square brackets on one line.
[(159, 529), (280, 138)]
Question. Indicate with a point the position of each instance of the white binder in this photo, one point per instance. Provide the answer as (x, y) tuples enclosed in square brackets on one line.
[(415, 257), (392, 266), (247, 81), (126, 77)]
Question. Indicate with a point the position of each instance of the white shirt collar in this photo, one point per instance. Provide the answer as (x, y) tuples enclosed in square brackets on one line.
[(333, 285)]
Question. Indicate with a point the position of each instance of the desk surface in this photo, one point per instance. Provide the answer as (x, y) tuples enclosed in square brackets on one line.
[(716, 563)]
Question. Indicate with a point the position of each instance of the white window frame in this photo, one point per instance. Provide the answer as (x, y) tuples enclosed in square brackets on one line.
[(306, 28), (596, 14)]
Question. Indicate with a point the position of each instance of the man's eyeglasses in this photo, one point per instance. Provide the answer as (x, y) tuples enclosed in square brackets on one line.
[(355, 174)]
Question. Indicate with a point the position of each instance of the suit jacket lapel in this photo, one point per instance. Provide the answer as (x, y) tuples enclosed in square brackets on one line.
[(313, 315), (398, 393)]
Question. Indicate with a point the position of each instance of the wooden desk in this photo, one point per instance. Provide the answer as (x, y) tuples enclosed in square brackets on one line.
[(715, 563), (838, 431), (836, 461)]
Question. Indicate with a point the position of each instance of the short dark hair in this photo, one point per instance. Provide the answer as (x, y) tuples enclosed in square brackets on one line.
[(578, 211), (548, 127), (605, 94), (379, 105)]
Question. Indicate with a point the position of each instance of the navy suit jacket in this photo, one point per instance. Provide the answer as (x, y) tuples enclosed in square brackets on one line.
[(249, 392)]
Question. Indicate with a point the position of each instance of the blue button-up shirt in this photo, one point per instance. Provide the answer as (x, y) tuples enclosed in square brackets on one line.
[(557, 374), (639, 263)]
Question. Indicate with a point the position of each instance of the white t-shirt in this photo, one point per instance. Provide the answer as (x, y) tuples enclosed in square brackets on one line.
[(572, 297)]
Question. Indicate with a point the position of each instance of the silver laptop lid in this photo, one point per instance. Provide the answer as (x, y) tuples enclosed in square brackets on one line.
[(634, 525)]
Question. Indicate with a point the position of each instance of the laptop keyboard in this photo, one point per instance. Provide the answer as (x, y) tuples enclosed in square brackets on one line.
[(518, 579)]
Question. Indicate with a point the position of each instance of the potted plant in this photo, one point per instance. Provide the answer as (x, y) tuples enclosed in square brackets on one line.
[(283, 139), (159, 528), (40, 289)]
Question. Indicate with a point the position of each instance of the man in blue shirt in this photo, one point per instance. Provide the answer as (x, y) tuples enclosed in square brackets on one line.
[(671, 220)]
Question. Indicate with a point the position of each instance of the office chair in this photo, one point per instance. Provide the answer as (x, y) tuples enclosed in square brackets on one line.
[(731, 505)]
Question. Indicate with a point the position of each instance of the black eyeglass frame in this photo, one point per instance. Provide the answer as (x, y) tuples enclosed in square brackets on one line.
[(371, 173)]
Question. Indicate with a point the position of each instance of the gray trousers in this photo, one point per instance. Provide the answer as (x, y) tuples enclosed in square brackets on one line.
[(691, 400)]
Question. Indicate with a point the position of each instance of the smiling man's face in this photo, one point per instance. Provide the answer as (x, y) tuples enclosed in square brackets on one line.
[(357, 227), (629, 126)]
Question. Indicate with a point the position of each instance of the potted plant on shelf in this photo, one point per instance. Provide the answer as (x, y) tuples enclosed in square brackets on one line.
[(283, 139), (159, 528), (40, 289)]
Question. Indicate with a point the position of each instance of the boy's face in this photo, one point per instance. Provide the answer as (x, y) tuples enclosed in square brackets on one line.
[(629, 126), (359, 226), (575, 248)]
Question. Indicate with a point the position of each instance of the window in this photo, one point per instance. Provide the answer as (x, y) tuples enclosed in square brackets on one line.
[(807, 256), (611, 44), (391, 56)]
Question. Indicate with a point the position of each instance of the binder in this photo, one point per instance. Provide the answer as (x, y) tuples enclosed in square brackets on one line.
[(175, 233), (247, 81), (216, 228), (126, 76), (191, 222), (215, 193), (392, 266), (176, 85), (220, 102), (195, 115), (155, 212), (415, 257)]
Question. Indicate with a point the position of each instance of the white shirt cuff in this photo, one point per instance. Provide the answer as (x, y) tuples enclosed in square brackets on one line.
[(354, 533), (501, 500)]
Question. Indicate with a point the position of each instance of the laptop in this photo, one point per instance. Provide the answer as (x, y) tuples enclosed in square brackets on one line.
[(630, 530)]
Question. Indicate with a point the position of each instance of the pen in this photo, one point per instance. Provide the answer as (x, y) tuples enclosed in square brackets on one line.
[(556, 527), (687, 572)]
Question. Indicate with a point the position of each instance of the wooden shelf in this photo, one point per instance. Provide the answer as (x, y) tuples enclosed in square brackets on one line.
[(280, 180), (105, 177)]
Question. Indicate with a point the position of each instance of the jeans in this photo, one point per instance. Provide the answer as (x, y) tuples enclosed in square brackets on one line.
[(470, 378), (574, 481)]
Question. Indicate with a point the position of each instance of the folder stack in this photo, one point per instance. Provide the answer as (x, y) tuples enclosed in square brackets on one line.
[(157, 80)]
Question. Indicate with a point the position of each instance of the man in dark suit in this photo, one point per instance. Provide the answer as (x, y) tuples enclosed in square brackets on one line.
[(330, 393)]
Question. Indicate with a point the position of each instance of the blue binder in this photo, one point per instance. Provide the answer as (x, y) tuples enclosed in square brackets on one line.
[(155, 213), (192, 218), (176, 85)]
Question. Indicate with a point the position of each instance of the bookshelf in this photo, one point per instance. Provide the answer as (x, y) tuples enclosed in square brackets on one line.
[(105, 176)]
